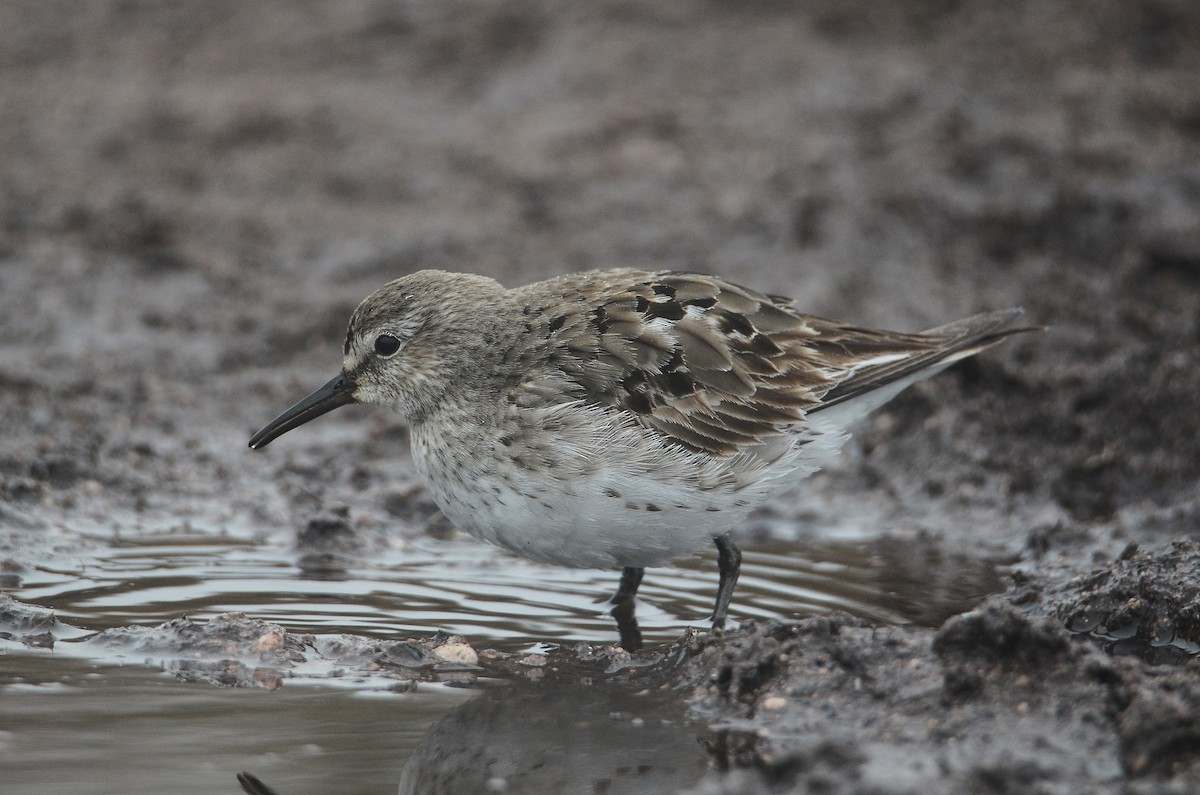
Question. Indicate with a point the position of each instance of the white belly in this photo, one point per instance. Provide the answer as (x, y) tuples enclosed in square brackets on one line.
[(597, 493), (594, 525)]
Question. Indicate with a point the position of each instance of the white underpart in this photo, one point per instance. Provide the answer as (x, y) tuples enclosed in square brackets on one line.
[(844, 415), (596, 508)]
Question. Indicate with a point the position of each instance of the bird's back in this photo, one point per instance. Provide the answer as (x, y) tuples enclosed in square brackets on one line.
[(717, 368)]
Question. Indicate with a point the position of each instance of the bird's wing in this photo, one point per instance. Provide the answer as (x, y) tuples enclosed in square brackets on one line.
[(712, 366)]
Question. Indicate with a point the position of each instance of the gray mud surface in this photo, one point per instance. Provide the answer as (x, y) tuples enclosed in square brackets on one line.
[(194, 196)]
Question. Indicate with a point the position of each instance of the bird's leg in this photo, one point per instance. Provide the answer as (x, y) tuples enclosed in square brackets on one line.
[(623, 608), (627, 626), (729, 562), (631, 578)]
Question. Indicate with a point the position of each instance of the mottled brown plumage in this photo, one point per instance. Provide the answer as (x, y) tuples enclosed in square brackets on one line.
[(715, 367)]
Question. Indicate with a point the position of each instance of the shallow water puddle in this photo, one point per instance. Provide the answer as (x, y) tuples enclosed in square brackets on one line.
[(499, 601), (82, 715), (69, 727)]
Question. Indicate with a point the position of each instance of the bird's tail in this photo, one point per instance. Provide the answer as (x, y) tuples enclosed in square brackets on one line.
[(925, 354)]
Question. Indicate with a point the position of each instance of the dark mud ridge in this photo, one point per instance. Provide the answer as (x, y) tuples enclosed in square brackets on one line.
[(1043, 689)]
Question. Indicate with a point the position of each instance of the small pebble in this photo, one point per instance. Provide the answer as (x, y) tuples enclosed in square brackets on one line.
[(268, 642), (457, 650)]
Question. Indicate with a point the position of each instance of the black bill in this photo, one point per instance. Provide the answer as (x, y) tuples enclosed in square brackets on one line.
[(337, 392)]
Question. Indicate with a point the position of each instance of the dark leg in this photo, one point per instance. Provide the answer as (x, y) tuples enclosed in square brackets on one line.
[(729, 561), (631, 578), (627, 626), (623, 603)]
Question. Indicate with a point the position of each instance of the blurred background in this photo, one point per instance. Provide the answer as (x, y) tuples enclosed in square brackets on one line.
[(194, 196)]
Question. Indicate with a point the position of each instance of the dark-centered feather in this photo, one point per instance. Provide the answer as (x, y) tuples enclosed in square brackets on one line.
[(715, 367)]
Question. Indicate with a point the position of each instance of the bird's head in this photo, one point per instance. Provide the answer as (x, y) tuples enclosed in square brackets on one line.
[(408, 345)]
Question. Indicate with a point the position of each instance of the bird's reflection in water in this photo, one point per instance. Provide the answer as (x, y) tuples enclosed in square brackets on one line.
[(565, 736), (558, 733)]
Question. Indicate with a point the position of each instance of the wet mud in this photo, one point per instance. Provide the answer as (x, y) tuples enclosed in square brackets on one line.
[(193, 198)]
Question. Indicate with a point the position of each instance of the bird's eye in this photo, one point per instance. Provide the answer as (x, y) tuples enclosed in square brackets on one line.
[(386, 345)]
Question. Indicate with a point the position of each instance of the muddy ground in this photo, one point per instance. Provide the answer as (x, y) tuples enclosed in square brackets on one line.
[(193, 197)]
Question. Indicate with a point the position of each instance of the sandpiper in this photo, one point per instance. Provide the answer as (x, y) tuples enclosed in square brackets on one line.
[(619, 418)]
